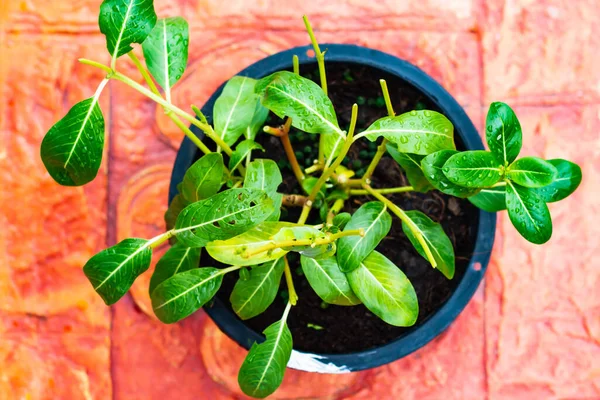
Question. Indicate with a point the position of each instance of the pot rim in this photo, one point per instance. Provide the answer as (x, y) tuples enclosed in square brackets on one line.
[(445, 315)]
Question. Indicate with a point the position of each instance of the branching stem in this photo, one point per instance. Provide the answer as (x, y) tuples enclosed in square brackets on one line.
[(293, 296), (401, 189)]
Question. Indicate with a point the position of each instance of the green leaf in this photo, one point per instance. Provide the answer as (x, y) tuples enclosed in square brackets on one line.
[(242, 150), (113, 270), (231, 251), (473, 169), (258, 121), (532, 172), (203, 179), (72, 148), (436, 239), (341, 220), (183, 294), (125, 22), (176, 260), (177, 205), (503, 133), (263, 369), (490, 199), (310, 233), (253, 296), (411, 164), (222, 216), (166, 51), (234, 109), (277, 201), (263, 174), (376, 222), (328, 281), (432, 168), (528, 213), (385, 290), (565, 183), (417, 132), (289, 95)]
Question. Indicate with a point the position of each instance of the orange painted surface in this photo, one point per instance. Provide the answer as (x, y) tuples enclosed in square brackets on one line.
[(531, 332)]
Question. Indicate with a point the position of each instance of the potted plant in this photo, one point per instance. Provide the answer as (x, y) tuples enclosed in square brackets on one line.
[(325, 225)]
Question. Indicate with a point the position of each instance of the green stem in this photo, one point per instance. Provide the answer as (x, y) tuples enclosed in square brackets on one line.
[(406, 220), (207, 129), (382, 147), (296, 63), (401, 189), (322, 75), (302, 242), (293, 296), (334, 210), (327, 173), (160, 239)]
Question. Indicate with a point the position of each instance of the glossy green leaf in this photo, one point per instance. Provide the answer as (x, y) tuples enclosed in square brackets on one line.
[(253, 296), (183, 294), (166, 51), (125, 22), (473, 169), (232, 251), (177, 205), (234, 109), (565, 183), (531, 172), (503, 133), (385, 290), (490, 199), (528, 213), (341, 220), (263, 174), (277, 202), (289, 95), (113, 270), (222, 216), (203, 179), (72, 148), (411, 164), (438, 242), (258, 121), (263, 369), (376, 222), (295, 233), (242, 150), (417, 132), (176, 260), (432, 169), (331, 284)]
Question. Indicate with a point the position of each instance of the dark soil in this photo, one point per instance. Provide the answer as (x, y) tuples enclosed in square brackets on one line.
[(351, 329)]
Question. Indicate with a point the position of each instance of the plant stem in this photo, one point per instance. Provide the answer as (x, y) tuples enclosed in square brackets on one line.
[(382, 147), (313, 168), (207, 129), (406, 220), (499, 184), (401, 189), (160, 239), (289, 151), (303, 242), (327, 173), (296, 63), (293, 200), (322, 75), (286, 311), (334, 210), (186, 130), (293, 296)]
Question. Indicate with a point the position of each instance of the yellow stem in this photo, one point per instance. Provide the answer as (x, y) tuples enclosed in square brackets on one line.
[(382, 147), (334, 210), (293, 296), (401, 189), (406, 220), (327, 173)]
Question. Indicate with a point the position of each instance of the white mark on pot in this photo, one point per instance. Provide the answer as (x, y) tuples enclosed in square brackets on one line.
[(310, 363)]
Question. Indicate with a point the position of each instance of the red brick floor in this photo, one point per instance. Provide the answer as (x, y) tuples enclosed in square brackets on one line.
[(531, 332)]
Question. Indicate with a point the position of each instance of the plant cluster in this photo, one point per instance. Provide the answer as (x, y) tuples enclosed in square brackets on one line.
[(229, 205)]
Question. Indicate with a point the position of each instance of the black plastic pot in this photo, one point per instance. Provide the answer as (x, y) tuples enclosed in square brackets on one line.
[(440, 320)]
